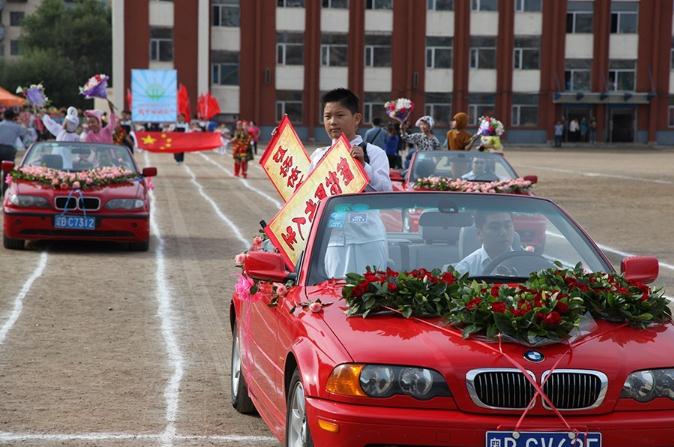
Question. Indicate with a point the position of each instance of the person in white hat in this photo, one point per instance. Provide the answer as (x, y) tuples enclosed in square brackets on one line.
[(424, 140), (67, 131)]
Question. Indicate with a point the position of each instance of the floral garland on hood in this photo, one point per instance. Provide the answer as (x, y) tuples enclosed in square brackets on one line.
[(57, 179), (514, 186), (552, 306)]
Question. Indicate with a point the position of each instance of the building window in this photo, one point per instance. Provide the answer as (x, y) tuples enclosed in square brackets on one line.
[(622, 75), (439, 106), (379, 4), (670, 121), (377, 50), (290, 3), (624, 17), (161, 44), (525, 110), (480, 104), (528, 5), (482, 52), (579, 17), (526, 53), (14, 48), (438, 52), (577, 75), (484, 5), (671, 57), (16, 18), (373, 106), (225, 67), (334, 50), (226, 13), (289, 103), (336, 4), (440, 5), (290, 48)]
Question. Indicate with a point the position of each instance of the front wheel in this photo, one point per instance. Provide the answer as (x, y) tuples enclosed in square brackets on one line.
[(240, 399), (12, 244), (297, 428)]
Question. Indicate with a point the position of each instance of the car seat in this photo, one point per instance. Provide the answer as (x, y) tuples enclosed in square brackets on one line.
[(440, 233), (424, 168)]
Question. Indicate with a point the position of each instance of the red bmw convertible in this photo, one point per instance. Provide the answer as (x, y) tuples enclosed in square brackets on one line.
[(77, 191), (319, 377)]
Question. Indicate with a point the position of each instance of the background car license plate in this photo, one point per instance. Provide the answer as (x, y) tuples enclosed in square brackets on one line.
[(75, 222), (541, 439)]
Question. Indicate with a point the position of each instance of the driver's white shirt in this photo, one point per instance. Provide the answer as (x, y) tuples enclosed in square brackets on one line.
[(474, 263)]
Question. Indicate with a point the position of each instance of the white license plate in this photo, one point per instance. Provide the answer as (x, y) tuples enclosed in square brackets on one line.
[(542, 439), (75, 222)]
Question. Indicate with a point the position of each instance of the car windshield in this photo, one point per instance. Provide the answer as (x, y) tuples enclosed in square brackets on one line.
[(484, 235), (75, 157), (475, 166)]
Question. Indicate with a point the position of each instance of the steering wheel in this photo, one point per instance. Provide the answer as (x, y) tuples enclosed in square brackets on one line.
[(518, 263)]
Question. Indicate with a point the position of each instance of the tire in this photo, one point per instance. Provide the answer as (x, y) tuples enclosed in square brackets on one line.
[(297, 428), (239, 389), (139, 246), (12, 244)]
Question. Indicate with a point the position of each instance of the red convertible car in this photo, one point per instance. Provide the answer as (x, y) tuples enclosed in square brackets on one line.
[(77, 191), (319, 377)]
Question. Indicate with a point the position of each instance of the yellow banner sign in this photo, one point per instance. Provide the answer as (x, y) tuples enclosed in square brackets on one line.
[(285, 160), (337, 173)]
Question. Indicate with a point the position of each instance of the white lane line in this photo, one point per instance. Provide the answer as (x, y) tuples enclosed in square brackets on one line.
[(599, 174), (18, 301), (6, 437), (244, 181), (219, 213), (176, 360)]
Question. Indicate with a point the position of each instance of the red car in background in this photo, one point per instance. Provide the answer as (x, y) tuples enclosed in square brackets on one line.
[(117, 211), (321, 378)]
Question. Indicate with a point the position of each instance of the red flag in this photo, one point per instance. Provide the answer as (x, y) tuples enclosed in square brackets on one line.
[(129, 102), (207, 106), (178, 141), (184, 103)]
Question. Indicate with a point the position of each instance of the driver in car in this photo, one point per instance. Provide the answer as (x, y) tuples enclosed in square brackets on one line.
[(480, 171), (496, 232)]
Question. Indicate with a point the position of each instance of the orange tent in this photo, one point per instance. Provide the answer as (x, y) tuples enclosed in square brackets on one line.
[(9, 100)]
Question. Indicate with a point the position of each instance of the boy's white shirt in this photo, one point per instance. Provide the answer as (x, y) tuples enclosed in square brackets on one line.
[(377, 169)]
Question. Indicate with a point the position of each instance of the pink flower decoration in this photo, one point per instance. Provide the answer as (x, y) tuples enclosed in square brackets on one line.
[(243, 286), (315, 307), (281, 290), (240, 259)]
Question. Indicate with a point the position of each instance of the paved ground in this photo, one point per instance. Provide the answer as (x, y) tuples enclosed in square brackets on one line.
[(99, 346)]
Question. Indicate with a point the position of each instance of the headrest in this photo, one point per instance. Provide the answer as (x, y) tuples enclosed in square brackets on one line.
[(445, 220)]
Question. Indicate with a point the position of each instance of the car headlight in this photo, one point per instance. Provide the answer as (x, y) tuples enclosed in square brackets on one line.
[(26, 201), (386, 381), (125, 204), (644, 386)]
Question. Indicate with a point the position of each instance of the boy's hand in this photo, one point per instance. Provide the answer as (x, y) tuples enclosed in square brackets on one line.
[(358, 154)]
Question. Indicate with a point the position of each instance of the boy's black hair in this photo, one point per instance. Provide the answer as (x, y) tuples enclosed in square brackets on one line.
[(343, 96), (376, 121), (10, 114)]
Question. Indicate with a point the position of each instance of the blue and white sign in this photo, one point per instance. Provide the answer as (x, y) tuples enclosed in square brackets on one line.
[(154, 97)]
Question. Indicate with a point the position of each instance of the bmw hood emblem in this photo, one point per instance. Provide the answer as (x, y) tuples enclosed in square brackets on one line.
[(534, 356)]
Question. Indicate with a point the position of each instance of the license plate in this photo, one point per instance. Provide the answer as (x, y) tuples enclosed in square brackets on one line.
[(75, 222), (542, 439)]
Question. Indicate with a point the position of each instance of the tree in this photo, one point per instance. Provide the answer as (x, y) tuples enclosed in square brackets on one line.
[(63, 45)]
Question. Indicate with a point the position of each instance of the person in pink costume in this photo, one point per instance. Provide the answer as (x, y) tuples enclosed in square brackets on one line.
[(96, 133)]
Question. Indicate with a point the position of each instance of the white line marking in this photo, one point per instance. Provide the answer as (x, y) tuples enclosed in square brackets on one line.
[(244, 181), (220, 214), (18, 301), (598, 174), (6, 437), (176, 361)]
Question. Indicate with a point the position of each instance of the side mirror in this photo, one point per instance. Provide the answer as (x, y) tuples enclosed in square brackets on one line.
[(531, 178), (7, 165), (265, 266), (396, 175), (642, 269), (149, 172)]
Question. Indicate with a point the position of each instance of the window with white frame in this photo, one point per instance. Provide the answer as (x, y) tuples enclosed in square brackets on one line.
[(14, 47), (526, 53), (377, 50), (482, 52), (379, 4), (528, 5), (16, 18), (622, 75), (373, 106), (624, 17), (484, 5), (290, 3), (226, 13), (579, 17), (480, 104), (525, 110), (336, 4), (577, 75), (438, 52), (334, 50), (439, 106), (161, 44), (289, 48), (289, 102), (225, 67), (670, 121), (440, 5)]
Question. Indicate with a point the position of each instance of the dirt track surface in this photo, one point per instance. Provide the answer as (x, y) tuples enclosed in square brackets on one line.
[(113, 348)]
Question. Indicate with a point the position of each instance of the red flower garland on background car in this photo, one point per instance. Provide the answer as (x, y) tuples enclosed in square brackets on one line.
[(551, 306), (514, 186)]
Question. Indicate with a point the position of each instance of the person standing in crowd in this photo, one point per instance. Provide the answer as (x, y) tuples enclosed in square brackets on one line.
[(559, 133), (423, 141), (583, 130), (393, 146), (574, 128), (376, 135), (10, 131), (180, 126), (254, 132), (457, 138), (240, 148), (66, 131), (96, 132), (593, 130)]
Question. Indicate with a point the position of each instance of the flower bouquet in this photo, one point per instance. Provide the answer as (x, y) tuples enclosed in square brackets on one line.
[(96, 87), (34, 95), (399, 109), (56, 179), (490, 131)]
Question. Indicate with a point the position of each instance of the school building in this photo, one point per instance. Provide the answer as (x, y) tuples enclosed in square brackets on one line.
[(529, 63)]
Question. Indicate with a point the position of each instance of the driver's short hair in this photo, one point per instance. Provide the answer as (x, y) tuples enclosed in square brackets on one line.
[(481, 217)]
